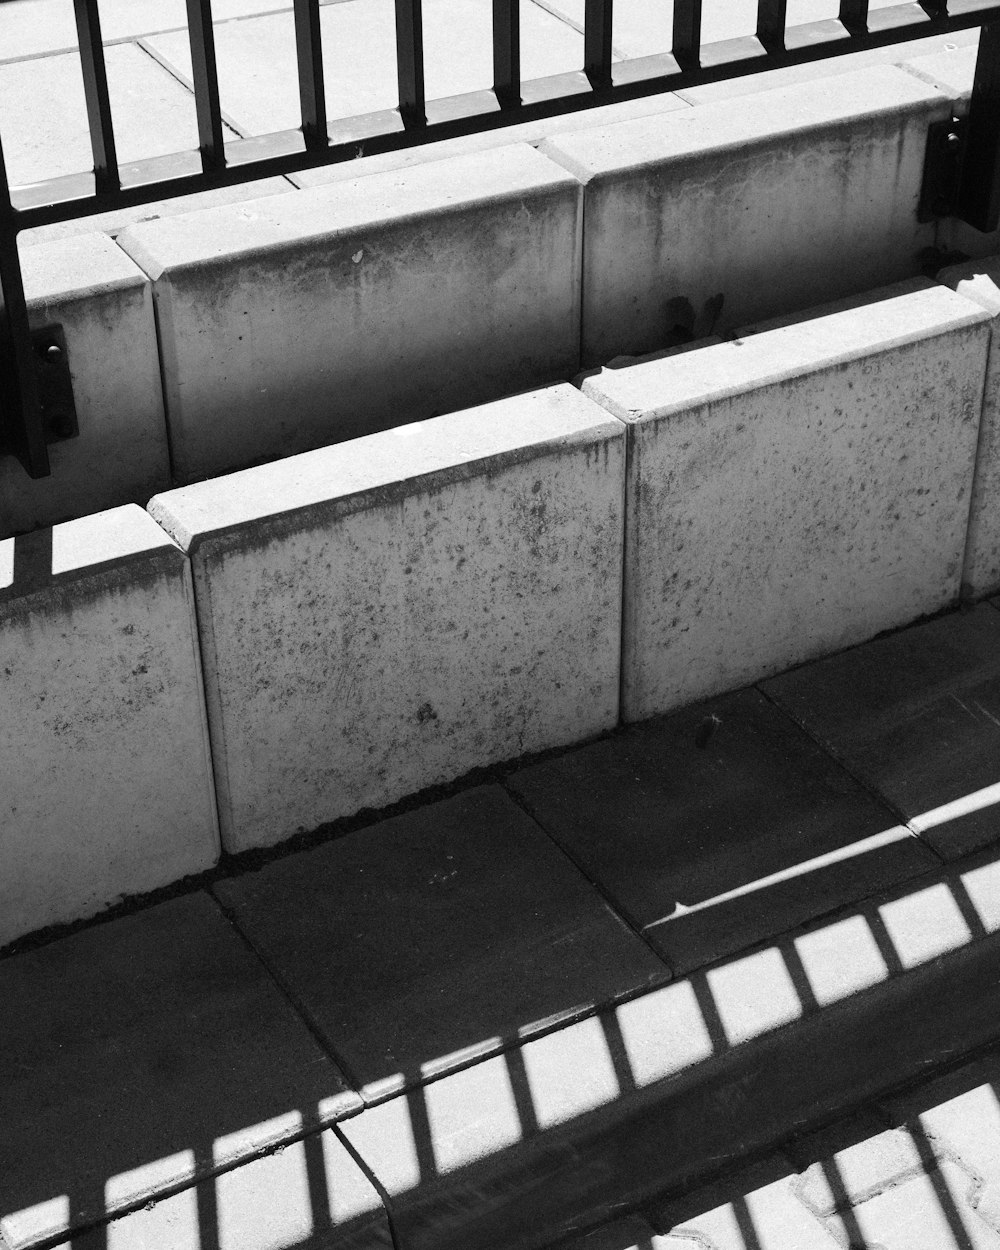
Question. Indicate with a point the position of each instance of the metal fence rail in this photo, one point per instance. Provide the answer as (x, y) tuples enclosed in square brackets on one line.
[(24, 428)]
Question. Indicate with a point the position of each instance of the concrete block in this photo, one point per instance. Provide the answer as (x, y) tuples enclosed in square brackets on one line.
[(383, 615), (107, 784), (104, 304), (748, 212), (301, 320), (979, 282), (796, 491)]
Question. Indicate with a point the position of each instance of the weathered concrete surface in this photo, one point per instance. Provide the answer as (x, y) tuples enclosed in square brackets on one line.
[(979, 282), (618, 1109), (490, 924), (144, 1054), (809, 195), (795, 491), (107, 784), (307, 319), (310, 1195), (104, 304), (917, 717), (710, 844), (385, 614)]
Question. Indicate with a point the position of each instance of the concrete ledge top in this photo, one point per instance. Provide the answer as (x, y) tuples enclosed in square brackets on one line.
[(846, 98), (396, 463), (502, 174), (81, 267), (817, 339), (78, 548)]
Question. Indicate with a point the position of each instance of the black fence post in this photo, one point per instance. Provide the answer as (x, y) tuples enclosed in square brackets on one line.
[(21, 431), (979, 190), (95, 90)]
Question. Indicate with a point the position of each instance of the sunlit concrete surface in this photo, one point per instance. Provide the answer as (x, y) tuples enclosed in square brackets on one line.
[(387, 613), (105, 779), (301, 320), (794, 490)]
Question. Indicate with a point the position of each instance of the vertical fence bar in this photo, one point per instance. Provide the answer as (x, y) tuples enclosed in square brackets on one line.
[(312, 90), (771, 18), (206, 83), (597, 25), (979, 190), (410, 62), (507, 52), (21, 429), (687, 33), (95, 91), (854, 15)]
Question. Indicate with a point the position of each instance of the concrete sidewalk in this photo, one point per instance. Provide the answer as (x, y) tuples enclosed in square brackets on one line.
[(44, 131), (581, 984)]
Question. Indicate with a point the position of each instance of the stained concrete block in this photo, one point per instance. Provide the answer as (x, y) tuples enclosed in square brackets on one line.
[(308, 319), (104, 304), (107, 786), (796, 491), (979, 282), (385, 614), (747, 212)]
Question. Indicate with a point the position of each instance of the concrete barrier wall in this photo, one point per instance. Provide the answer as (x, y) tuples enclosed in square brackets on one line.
[(794, 491), (105, 778), (386, 614), (104, 303), (728, 212), (307, 319)]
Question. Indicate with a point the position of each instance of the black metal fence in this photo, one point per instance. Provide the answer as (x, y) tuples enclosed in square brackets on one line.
[(25, 430)]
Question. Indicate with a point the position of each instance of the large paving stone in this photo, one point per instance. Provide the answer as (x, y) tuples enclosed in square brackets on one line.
[(104, 304), (711, 849), (300, 320), (917, 716), (388, 613), (749, 212), (45, 116), (795, 490), (106, 785), (143, 1054), (436, 936)]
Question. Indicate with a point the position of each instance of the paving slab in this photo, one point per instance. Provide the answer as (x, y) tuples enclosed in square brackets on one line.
[(310, 1195), (916, 715), (258, 85), (711, 848), (436, 936), (142, 1054), (45, 130)]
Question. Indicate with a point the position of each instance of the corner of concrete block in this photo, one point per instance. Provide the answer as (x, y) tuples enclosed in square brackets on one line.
[(552, 149), (977, 281), (83, 266), (159, 510), (130, 242)]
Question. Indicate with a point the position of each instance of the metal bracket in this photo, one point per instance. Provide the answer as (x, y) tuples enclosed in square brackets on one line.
[(55, 385), (942, 169)]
